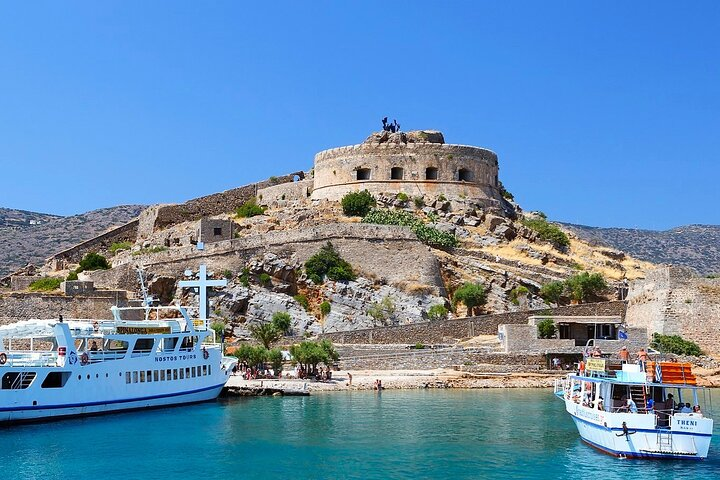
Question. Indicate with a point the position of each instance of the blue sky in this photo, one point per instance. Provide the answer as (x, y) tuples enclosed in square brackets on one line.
[(602, 113)]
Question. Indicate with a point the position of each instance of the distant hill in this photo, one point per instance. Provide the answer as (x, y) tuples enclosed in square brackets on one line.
[(696, 246), (29, 237)]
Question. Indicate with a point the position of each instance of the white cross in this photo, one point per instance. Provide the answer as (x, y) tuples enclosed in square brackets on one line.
[(202, 284)]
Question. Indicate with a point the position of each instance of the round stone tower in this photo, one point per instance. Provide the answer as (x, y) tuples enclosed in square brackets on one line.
[(418, 163)]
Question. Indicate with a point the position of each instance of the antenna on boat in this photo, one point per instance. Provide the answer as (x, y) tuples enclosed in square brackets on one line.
[(147, 299)]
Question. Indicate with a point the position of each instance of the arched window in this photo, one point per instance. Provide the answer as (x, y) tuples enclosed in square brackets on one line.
[(363, 174), (465, 175), (431, 173), (396, 173)]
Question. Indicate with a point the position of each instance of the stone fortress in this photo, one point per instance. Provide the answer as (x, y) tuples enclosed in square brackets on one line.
[(416, 163)]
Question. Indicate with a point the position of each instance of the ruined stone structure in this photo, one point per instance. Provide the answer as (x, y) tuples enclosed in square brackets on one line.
[(214, 230), (416, 163), (675, 301)]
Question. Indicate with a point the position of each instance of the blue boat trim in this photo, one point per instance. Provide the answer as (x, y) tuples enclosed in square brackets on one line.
[(110, 402), (649, 430), (618, 453)]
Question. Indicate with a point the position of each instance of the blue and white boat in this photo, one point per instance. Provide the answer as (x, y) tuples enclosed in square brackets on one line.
[(626, 411), (157, 357)]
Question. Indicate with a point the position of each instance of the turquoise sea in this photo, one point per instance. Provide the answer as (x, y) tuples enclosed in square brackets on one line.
[(396, 434)]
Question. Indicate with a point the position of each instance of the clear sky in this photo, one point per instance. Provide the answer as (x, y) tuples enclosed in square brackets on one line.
[(601, 113)]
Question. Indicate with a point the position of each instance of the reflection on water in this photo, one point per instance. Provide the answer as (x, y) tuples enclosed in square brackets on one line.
[(399, 434)]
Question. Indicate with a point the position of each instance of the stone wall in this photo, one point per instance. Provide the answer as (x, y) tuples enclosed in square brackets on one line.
[(452, 330), (524, 338), (371, 249), (22, 282), (280, 195), (675, 301), (161, 216), (336, 170), (123, 233), (25, 306), (427, 359)]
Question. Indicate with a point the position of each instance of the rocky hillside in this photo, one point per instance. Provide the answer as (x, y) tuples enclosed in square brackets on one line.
[(29, 237), (696, 246)]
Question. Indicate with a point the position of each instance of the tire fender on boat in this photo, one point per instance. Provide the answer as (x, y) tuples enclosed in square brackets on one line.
[(3, 358), (205, 354)]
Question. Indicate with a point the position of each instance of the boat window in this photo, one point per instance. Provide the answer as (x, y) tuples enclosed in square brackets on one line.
[(135, 377), (187, 372), (127, 377), (117, 345), (169, 374), (142, 376), (182, 374), (155, 375), (55, 380), (169, 344), (209, 369), (17, 380), (175, 375), (162, 375), (204, 370), (192, 369), (187, 343), (143, 345)]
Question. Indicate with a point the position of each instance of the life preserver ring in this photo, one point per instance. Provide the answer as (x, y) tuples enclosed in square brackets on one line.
[(84, 359), (205, 354), (3, 358)]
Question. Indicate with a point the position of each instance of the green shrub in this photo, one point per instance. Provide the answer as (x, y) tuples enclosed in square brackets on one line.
[(249, 209), (93, 261), (328, 263), (402, 196), (437, 312), (245, 277), (516, 293), (45, 284), (425, 233), (325, 308), (418, 346), (585, 285), (419, 202), (547, 231), (281, 321), (228, 274), (675, 344), (546, 328), (442, 198), (357, 204), (218, 327), (552, 292), (265, 279), (72, 276), (119, 246), (471, 295), (302, 300)]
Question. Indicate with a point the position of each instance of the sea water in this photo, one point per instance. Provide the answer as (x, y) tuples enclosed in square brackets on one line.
[(453, 434)]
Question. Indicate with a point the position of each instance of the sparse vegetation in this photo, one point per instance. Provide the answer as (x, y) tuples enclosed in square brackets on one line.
[(675, 344), (419, 202), (328, 263), (325, 308), (437, 312), (516, 293), (585, 285), (228, 274), (546, 328), (547, 231), (119, 246), (93, 261), (552, 292), (302, 300), (245, 277), (357, 204), (45, 284), (219, 328), (382, 311), (472, 295), (72, 276), (150, 250), (265, 279), (249, 209), (427, 234), (402, 196), (506, 195), (281, 321)]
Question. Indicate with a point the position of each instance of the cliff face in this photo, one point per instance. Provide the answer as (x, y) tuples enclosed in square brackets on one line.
[(29, 237), (695, 246)]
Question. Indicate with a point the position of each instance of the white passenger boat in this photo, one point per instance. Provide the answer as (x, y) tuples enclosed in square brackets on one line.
[(628, 412), (157, 357)]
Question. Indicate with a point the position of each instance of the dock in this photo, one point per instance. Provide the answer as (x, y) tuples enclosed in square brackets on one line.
[(239, 387)]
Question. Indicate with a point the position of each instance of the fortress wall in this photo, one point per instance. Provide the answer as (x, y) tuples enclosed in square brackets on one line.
[(378, 251), (123, 233), (288, 192), (336, 170), (450, 330), (674, 301), (25, 306)]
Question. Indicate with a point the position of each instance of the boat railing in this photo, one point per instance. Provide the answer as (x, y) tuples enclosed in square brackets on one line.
[(31, 359)]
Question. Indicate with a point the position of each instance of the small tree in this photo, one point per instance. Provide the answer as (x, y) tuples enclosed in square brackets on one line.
[(302, 300), (552, 292), (249, 209), (472, 295), (72, 276), (518, 292), (328, 263), (275, 358), (546, 328), (93, 261), (675, 344), (265, 333), (357, 204), (218, 327), (281, 321), (585, 285), (437, 312)]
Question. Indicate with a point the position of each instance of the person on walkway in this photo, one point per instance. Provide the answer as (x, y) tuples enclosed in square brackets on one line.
[(624, 355), (349, 384), (642, 359)]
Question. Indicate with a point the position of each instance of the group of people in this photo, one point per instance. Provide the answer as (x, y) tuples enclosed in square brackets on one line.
[(642, 356), (390, 127)]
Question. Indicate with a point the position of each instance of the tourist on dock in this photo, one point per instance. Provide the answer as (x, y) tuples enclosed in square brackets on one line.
[(349, 383), (624, 355)]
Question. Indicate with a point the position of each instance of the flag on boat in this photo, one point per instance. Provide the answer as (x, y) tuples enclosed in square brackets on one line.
[(658, 372)]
